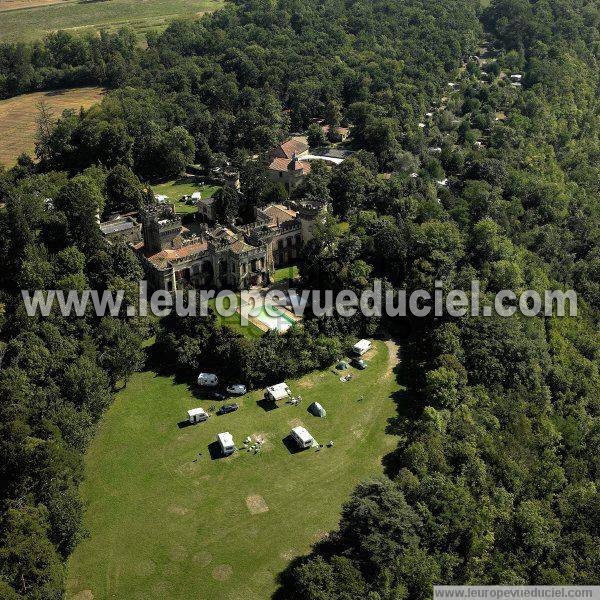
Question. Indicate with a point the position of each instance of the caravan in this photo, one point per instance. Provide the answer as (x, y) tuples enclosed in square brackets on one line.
[(361, 347), (302, 438), (208, 379), (197, 415), (276, 392), (225, 440)]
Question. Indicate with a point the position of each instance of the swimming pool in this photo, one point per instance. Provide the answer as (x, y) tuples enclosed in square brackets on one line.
[(282, 322)]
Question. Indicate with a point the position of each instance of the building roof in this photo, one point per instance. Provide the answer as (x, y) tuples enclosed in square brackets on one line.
[(282, 164), (115, 226), (240, 246), (293, 146), (162, 258), (341, 130), (278, 213)]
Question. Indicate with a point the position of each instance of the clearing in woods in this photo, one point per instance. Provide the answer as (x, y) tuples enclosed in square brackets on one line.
[(18, 117), (170, 519)]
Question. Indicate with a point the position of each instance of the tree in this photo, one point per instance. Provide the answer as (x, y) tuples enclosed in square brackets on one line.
[(28, 561), (316, 137), (123, 191), (227, 205), (441, 388), (81, 202)]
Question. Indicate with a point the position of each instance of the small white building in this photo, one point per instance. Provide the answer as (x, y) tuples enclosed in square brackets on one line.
[(276, 392), (516, 77), (208, 379), (197, 415), (361, 347), (302, 437), (225, 440)]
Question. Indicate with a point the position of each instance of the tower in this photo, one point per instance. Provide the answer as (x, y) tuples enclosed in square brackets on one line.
[(160, 229)]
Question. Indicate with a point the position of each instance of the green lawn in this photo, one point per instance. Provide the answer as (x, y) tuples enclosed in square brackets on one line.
[(234, 322), (29, 23), (285, 273), (176, 189), (168, 521)]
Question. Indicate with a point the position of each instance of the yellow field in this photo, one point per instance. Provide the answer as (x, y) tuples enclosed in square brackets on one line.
[(18, 117), (27, 20), (18, 4)]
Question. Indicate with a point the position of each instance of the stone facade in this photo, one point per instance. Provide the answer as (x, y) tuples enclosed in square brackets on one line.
[(233, 257)]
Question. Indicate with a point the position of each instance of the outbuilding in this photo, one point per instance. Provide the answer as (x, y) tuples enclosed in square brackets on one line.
[(197, 415), (302, 438), (361, 347), (225, 440), (276, 392), (316, 409)]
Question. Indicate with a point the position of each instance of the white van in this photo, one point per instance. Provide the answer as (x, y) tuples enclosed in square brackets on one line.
[(302, 437), (225, 440), (208, 379), (361, 347), (197, 415)]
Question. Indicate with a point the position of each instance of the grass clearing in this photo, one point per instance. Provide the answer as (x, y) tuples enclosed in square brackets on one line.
[(285, 274), (167, 520), (18, 117), (184, 186), (23, 20)]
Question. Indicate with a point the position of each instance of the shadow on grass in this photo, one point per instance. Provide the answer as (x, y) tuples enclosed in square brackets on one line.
[(266, 405), (214, 450), (184, 424), (291, 445)]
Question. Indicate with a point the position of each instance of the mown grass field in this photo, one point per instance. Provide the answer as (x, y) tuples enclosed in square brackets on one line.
[(183, 187), (26, 20), (18, 116), (167, 520)]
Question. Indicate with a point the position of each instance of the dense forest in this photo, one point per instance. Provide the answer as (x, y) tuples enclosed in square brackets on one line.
[(495, 478)]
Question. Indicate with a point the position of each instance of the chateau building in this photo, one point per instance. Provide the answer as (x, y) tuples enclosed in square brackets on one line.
[(233, 257)]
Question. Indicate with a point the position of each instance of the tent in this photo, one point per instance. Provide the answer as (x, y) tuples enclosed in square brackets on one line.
[(342, 365), (316, 409)]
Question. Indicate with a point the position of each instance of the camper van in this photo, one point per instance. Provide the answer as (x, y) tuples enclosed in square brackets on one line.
[(208, 379), (361, 347), (226, 443), (276, 392), (197, 415), (302, 437)]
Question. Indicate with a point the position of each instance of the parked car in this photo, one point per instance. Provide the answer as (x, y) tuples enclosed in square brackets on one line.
[(237, 389), (216, 395), (227, 408), (359, 363)]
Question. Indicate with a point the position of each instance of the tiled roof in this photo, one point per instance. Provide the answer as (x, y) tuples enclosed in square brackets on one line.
[(281, 164), (240, 246), (162, 258), (293, 146), (278, 213)]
